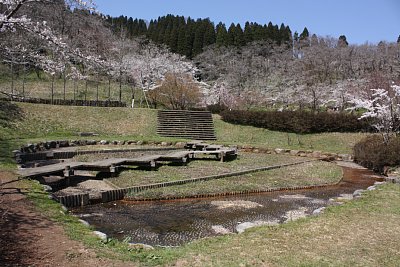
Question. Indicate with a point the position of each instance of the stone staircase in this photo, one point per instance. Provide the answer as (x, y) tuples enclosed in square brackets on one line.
[(196, 125)]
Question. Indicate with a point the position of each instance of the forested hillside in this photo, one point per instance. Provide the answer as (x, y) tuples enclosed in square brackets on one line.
[(242, 67), (188, 37)]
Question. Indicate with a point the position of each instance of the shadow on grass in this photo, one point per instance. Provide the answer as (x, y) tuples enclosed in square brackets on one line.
[(9, 113)]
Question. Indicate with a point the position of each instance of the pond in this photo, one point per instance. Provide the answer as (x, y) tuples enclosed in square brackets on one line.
[(173, 223)]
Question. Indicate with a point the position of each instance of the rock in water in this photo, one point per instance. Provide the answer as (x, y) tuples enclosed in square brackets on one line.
[(101, 235), (235, 204), (219, 229), (240, 228)]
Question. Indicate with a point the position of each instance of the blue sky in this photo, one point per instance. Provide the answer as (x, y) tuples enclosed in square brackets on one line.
[(360, 20)]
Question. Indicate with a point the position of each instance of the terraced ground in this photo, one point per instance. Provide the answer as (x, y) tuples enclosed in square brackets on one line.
[(363, 232)]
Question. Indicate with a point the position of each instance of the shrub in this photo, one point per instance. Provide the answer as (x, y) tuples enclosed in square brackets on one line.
[(216, 108), (297, 121), (373, 153)]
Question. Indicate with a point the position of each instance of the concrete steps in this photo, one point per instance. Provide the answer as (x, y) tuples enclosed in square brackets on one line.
[(186, 124)]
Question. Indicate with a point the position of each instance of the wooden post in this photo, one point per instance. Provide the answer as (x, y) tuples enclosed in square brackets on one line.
[(52, 89), (75, 88), (109, 89), (221, 155), (68, 171), (23, 81), (12, 78), (97, 91), (65, 82), (86, 85), (120, 87)]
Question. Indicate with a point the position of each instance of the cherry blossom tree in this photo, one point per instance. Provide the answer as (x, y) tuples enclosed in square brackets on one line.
[(15, 18), (10, 18), (383, 106)]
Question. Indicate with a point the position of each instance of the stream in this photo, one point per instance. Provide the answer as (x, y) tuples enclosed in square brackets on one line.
[(173, 223)]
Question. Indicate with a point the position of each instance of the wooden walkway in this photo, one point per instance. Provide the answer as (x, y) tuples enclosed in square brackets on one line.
[(67, 169)]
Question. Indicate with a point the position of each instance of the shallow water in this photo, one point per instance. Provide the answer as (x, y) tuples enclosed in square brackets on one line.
[(172, 223)]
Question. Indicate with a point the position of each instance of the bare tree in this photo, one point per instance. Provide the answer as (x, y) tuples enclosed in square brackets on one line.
[(177, 91)]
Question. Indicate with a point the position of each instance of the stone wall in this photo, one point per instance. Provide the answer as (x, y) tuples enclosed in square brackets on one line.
[(42, 150)]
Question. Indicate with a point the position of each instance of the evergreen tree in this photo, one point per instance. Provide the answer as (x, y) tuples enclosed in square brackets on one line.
[(130, 28), (239, 40), (198, 39), (269, 33), (230, 40), (209, 33), (304, 38), (342, 42), (398, 39), (142, 29), (258, 31), (181, 46), (222, 34), (296, 36), (189, 38), (288, 35), (305, 34), (150, 32), (314, 40), (173, 39), (248, 33)]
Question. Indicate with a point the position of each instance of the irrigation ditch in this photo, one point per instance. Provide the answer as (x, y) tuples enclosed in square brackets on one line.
[(174, 221)]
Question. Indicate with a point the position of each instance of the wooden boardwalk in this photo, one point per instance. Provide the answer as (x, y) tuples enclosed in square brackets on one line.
[(67, 169)]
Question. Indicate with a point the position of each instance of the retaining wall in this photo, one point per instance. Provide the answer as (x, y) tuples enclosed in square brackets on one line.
[(118, 194), (71, 201), (36, 148)]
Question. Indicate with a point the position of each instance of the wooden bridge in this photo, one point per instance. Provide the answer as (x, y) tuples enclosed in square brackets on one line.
[(67, 169)]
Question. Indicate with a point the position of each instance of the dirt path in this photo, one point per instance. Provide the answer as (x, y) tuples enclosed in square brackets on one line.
[(29, 239)]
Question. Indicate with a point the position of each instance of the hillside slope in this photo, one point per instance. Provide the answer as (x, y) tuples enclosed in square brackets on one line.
[(45, 122)]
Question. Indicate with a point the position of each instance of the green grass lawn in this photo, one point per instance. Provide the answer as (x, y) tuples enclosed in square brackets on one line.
[(45, 122), (310, 173), (249, 135), (199, 168), (363, 232)]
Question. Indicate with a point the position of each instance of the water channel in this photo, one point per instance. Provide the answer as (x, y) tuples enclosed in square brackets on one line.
[(173, 223)]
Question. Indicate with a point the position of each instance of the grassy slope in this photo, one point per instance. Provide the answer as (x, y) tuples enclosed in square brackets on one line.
[(328, 142), (46, 122), (364, 232), (41, 88)]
